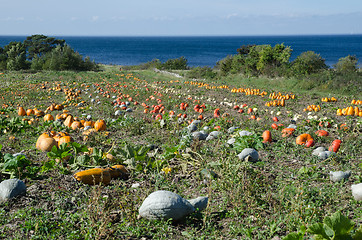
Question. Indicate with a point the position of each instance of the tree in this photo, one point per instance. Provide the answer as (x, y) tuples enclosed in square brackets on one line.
[(307, 63), (347, 64), (38, 45), (16, 56), (3, 58)]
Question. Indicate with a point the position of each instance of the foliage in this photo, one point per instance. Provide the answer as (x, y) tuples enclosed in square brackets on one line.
[(347, 64), (175, 64), (40, 52), (255, 60), (307, 63), (38, 45), (15, 165), (201, 73), (252, 141), (335, 227)]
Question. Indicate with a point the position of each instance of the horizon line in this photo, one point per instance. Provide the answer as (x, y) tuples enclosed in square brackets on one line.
[(204, 35)]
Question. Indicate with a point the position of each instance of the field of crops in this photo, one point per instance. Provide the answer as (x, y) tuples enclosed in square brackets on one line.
[(181, 135)]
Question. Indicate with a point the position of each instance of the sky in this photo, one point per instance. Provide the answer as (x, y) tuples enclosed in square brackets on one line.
[(180, 18)]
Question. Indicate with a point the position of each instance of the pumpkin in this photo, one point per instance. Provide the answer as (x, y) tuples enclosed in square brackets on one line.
[(335, 145), (76, 125), (100, 125), (64, 139), (21, 111), (68, 121), (48, 117), (45, 143), (321, 133), (274, 126), (286, 132), (88, 123), (29, 112), (275, 119), (303, 139), (118, 171), (267, 136), (93, 176)]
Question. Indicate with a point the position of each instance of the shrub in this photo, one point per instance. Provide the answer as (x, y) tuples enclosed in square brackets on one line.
[(175, 64), (307, 63), (347, 64), (201, 73)]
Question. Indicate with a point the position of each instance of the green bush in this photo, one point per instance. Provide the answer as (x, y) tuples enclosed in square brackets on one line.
[(347, 64), (201, 73), (307, 63), (175, 64), (39, 52)]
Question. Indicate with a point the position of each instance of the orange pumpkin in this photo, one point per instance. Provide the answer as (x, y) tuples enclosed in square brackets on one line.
[(286, 132), (29, 112), (21, 111), (267, 136), (322, 133), (48, 117), (100, 125), (65, 139), (304, 138)]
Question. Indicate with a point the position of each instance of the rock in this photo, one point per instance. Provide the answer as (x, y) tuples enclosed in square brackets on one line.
[(339, 175), (249, 154), (11, 188), (357, 191), (165, 205), (292, 126)]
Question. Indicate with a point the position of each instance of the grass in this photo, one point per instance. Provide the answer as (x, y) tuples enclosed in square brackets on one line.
[(287, 189)]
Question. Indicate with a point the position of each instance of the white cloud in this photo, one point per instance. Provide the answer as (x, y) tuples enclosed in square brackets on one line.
[(95, 18)]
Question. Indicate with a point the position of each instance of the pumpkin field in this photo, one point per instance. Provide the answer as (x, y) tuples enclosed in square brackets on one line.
[(91, 146)]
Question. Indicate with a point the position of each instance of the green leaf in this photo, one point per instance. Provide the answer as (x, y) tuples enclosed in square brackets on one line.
[(294, 236), (340, 225), (358, 234), (318, 231)]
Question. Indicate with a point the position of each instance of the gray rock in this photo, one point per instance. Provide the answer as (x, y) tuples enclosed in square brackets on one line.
[(11, 188), (339, 175), (292, 126), (249, 154)]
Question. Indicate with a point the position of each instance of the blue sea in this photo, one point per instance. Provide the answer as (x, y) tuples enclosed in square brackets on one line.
[(201, 51)]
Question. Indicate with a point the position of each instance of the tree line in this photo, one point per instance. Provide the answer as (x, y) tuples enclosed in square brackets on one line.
[(39, 52)]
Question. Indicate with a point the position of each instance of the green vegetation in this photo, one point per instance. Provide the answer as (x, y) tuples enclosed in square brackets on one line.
[(39, 52), (287, 194)]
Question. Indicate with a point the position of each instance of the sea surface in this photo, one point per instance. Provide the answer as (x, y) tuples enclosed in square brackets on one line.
[(201, 51)]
